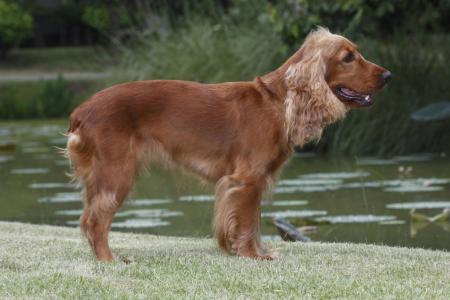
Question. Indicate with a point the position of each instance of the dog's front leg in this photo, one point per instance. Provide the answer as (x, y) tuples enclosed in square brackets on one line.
[(238, 214)]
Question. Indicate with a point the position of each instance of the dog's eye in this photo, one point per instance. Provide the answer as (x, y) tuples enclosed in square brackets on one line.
[(349, 57)]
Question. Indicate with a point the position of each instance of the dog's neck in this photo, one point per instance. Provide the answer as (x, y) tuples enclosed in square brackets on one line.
[(275, 80)]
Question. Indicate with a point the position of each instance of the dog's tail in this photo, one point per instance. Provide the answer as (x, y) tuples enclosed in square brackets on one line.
[(79, 151)]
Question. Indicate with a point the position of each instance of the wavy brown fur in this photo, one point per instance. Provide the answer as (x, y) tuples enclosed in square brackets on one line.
[(236, 134)]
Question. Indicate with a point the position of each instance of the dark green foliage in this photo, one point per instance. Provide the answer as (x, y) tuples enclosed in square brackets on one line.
[(53, 100), (44, 99), (357, 18), (15, 25)]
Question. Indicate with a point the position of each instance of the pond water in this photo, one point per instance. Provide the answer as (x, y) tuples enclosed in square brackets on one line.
[(357, 199)]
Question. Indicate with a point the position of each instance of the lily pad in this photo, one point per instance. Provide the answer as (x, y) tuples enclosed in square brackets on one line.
[(197, 198), (367, 184), (58, 141), (294, 213), (419, 205), (140, 223), (42, 156), (415, 157), (309, 182), (149, 213), (62, 162), (61, 198), (372, 161), (289, 202), (356, 219), (271, 238), (30, 144), (145, 213), (433, 112), (414, 189), (69, 212), (46, 130), (5, 158), (402, 185), (5, 132), (305, 189), (52, 185), (73, 223), (30, 171), (338, 175), (145, 202), (416, 185), (35, 150), (392, 222)]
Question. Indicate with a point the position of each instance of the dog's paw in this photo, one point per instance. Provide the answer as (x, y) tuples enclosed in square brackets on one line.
[(260, 255), (125, 259), (269, 256)]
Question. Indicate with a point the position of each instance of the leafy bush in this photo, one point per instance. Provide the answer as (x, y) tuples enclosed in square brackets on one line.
[(97, 17), (107, 17), (53, 100), (357, 18), (15, 25)]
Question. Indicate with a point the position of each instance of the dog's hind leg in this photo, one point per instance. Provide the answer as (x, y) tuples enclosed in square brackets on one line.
[(105, 191), (238, 214)]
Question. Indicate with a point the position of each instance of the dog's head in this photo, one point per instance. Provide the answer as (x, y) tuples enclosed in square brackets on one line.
[(353, 79), (324, 79)]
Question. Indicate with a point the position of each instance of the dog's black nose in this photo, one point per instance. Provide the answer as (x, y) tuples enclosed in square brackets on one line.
[(386, 76)]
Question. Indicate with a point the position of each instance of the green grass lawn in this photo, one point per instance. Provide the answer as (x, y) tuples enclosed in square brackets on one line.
[(54, 262)]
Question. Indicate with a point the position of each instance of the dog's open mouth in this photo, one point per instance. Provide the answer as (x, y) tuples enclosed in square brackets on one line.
[(350, 96)]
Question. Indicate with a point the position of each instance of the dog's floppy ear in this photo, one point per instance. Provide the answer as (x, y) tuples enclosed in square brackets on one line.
[(310, 103), (308, 73)]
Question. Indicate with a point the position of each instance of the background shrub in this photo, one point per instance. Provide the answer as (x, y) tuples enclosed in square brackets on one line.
[(15, 25), (54, 99), (43, 99)]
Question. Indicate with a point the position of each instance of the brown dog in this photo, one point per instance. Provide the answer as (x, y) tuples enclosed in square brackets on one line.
[(235, 134)]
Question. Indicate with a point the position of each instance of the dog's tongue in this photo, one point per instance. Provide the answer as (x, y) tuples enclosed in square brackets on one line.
[(350, 92)]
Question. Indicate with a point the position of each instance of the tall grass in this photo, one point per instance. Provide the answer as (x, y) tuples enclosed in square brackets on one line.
[(42, 99), (208, 51), (202, 51)]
